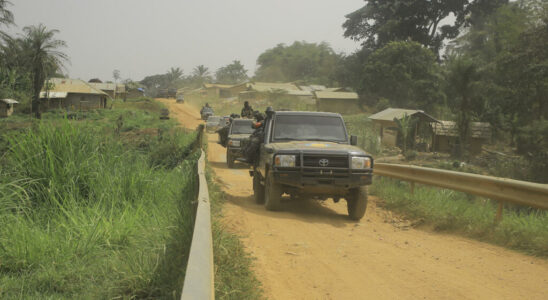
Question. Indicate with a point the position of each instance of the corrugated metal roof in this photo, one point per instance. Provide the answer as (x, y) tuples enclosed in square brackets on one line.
[(214, 85), (9, 101), (120, 88), (72, 86), (480, 130), (337, 89), (336, 95), (312, 87), (300, 93), (317, 87), (270, 86), (390, 114)]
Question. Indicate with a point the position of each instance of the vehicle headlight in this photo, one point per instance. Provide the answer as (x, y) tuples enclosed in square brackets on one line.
[(234, 143), (361, 163), (285, 161)]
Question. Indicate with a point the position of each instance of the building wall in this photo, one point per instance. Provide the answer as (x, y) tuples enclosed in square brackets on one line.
[(342, 106), (5, 109), (213, 92), (236, 90), (76, 102)]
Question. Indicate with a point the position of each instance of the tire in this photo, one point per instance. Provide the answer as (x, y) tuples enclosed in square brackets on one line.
[(258, 188), (229, 160), (356, 203), (272, 194)]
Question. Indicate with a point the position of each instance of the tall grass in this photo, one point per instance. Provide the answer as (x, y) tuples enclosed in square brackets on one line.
[(364, 129), (85, 216), (522, 229)]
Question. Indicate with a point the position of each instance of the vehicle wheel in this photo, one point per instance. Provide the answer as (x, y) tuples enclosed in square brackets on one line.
[(272, 193), (258, 188), (356, 202), (229, 160)]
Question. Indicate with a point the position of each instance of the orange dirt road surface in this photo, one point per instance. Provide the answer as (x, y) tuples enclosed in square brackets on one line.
[(312, 251)]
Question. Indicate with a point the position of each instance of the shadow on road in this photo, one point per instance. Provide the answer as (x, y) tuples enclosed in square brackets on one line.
[(306, 210), (223, 165)]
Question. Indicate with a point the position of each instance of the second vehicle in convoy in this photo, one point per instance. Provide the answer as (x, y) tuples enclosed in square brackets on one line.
[(311, 154), (240, 130)]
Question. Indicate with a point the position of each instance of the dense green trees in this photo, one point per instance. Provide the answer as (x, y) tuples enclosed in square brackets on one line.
[(308, 62), (232, 73), (405, 73), (382, 21), (27, 60)]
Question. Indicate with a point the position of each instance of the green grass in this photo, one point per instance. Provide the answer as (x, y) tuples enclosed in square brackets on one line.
[(86, 213), (234, 278), (522, 229)]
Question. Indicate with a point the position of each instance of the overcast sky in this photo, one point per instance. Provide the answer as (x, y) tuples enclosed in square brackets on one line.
[(142, 38)]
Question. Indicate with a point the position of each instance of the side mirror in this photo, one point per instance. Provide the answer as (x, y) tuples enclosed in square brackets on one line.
[(353, 140)]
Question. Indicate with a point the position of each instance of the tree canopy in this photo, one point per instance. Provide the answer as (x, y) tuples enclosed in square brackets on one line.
[(379, 22), (232, 73), (405, 73), (309, 62)]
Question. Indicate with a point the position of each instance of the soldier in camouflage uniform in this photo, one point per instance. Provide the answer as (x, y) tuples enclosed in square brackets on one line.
[(251, 149)]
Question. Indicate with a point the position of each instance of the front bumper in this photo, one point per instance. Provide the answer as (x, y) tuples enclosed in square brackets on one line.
[(236, 152), (323, 178)]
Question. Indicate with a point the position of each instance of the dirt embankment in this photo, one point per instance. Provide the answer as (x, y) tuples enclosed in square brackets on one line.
[(312, 251)]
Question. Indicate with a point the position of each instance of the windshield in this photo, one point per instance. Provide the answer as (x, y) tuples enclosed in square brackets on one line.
[(213, 119), (241, 128), (309, 128)]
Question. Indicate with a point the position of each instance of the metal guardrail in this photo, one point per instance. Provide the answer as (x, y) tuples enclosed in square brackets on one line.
[(199, 282), (500, 189)]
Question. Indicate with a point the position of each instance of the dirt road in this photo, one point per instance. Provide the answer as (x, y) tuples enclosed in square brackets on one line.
[(312, 251)]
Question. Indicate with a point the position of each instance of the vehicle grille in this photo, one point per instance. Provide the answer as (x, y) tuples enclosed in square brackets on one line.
[(333, 161)]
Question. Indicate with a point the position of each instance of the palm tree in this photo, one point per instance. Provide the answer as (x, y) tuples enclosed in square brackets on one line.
[(173, 75), (463, 77), (41, 50), (6, 16), (200, 71)]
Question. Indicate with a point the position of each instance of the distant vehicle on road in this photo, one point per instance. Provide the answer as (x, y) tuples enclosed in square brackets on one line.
[(240, 130), (180, 98), (311, 154), (213, 123), (167, 93), (206, 112)]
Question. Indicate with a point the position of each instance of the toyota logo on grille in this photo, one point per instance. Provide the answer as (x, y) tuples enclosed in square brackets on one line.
[(324, 162)]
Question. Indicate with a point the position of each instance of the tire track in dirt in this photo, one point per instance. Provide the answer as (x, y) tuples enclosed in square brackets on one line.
[(312, 251)]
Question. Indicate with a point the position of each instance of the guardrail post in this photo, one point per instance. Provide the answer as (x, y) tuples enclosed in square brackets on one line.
[(498, 216), (412, 188)]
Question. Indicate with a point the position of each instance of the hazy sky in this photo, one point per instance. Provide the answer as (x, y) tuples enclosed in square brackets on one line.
[(142, 38)]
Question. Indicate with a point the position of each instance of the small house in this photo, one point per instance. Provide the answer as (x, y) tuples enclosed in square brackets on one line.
[(71, 94), (446, 136), (6, 107), (338, 102), (385, 121)]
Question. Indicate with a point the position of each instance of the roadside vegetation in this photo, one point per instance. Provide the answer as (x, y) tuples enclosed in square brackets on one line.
[(234, 278), (92, 208), (523, 229)]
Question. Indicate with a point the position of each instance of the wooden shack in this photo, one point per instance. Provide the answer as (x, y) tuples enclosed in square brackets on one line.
[(6, 107), (446, 136), (338, 102), (385, 121)]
